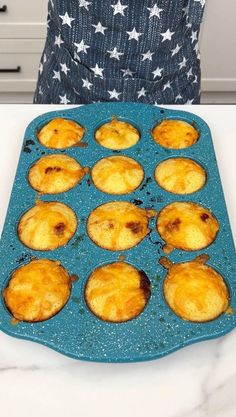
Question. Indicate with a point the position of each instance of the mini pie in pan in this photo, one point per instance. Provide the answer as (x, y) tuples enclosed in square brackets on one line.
[(47, 225), (38, 290), (180, 175), (175, 134), (60, 133), (117, 292), (54, 174), (195, 291), (118, 225), (117, 135), (117, 174), (187, 226)]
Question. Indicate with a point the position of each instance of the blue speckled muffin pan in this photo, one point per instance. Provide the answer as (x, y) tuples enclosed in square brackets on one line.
[(157, 331)]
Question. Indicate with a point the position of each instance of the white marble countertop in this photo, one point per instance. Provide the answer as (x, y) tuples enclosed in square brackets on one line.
[(197, 381)]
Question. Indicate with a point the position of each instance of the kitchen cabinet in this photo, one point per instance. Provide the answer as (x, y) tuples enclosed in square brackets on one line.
[(22, 35)]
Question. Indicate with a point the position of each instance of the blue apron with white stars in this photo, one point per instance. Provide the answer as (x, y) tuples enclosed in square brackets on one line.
[(121, 50)]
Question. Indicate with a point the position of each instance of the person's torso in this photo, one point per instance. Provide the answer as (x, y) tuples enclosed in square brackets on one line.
[(120, 35)]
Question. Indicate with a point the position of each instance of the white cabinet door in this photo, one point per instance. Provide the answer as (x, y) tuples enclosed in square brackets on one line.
[(218, 46), (19, 63), (23, 18)]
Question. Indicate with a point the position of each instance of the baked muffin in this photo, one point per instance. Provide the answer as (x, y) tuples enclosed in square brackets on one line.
[(195, 292), (38, 290), (180, 175), (175, 134), (118, 225), (54, 174), (60, 133), (117, 134), (187, 226), (47, 225), (117, 175), (117, 292)]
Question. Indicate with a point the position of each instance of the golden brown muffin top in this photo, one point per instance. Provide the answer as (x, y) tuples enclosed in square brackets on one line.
[(195, 292), (117, 292), (38, 290), (118, 225), (47, 225), (60, 133), (54, 174), (180, 175), (117, 174), (117, 134), (187, 225), (175, 134)]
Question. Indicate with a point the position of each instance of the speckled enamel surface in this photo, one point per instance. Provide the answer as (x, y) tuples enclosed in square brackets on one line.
[(157, 331)]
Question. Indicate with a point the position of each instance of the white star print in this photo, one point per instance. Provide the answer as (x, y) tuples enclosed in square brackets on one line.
[(167, 85), (84, 3), (64, 99), (114, 94), (44, 58), (40, 91), (86, 84), (97, 70), (115, 54), (76, 56), (189, 25), (154, 11), (57, 75), (141, 92), (195, 80), (189, 101), (64, 68), (147, 55), (58, 41), (99, 28), (185, 10), (81, 47), (167, 35), (118, 8), (127, 72), (196, 49), (194, 36), (66, 20), (202, 2), (134, 34), (40, 67), (178, 97), (157, 72), (176, 50), (190, 73), (183, 63)]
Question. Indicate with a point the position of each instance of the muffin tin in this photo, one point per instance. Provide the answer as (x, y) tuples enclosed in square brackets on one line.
[(75, 331)]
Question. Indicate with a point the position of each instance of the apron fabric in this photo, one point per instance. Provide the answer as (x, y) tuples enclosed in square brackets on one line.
[(121, 50)]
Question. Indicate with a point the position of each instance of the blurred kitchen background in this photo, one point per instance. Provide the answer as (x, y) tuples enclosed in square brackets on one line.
[(23, 30)]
